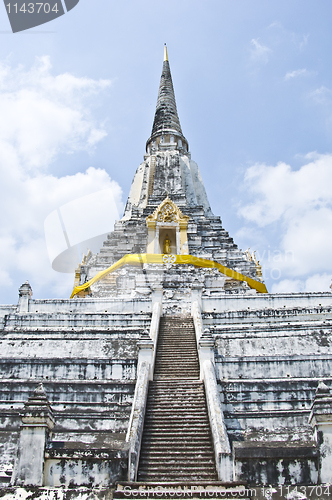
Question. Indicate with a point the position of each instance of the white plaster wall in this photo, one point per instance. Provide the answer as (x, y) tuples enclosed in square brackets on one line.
[(325, 429), (79, 472), (263, 301), (303, 339), (201, 195), (188, 185), (29, 467), (135, 190), (78, 305)]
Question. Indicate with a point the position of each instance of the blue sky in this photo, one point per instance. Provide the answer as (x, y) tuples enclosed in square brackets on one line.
[(254, 94)]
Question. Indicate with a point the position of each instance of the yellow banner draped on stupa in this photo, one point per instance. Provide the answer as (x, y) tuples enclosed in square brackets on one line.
[(150, 258)]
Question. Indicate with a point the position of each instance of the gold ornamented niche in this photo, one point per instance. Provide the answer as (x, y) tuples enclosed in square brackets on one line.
[(167, 230)]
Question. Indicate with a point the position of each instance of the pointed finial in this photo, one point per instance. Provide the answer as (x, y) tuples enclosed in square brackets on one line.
[(39, 390), (165, 53)]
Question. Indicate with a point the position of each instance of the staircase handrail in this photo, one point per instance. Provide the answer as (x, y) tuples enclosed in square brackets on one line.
[(222, 448), (144, 374), (154, 331), (197, 318), (136, 422)]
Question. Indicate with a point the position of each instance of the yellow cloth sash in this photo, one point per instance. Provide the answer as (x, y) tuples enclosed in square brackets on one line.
[(151, 258)]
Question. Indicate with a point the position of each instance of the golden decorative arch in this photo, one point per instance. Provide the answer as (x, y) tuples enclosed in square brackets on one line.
[(168, 211), (167, 215)]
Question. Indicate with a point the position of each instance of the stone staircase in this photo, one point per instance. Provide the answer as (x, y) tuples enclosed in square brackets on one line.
[(177, 459), (176, 443)]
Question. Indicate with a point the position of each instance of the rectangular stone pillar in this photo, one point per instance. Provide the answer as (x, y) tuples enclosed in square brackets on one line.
[(321, 420), (25, 293), (37, 421)]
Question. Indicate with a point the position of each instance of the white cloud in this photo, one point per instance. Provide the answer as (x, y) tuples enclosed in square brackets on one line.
[(296, 73), (297, 206), (323, 95), (304, 41), (315, 283), (288, 286), (42, 115), (259, 53), (282, 192)]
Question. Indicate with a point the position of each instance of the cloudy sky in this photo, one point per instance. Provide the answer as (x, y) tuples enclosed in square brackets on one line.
[(253, 82)]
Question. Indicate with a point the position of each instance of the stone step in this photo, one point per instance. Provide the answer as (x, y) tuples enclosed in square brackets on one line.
[(171, 470), (164, 410), (176, 475), (173, 374), (189, 384), (176, 330), (168, 427), (167, 342), (183, 355), (172, 359), (168, 370), (183, 454), (191, 371), (194, 433), (171, 417), (176, 364), (192, 386), (149, 462), (182, 384), (176, 418), (169, 390), (187, 333), (178, 359), (180, 336), (177, 397), (175, 404), (201, 435), (159, 447), (161, 394), (195, 411), (172, 325), (173, 367), (185, 345), (170, 376), (181, 446), (183, 370), (187, 442)]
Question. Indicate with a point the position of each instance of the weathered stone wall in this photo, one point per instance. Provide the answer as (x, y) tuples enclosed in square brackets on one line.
[(271, 352), (87, 361)]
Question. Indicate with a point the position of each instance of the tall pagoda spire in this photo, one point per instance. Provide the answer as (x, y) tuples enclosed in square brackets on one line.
[(166, 129)]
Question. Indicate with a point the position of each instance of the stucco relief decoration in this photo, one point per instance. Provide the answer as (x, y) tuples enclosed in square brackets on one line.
[(167, 212), (169, 259)]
